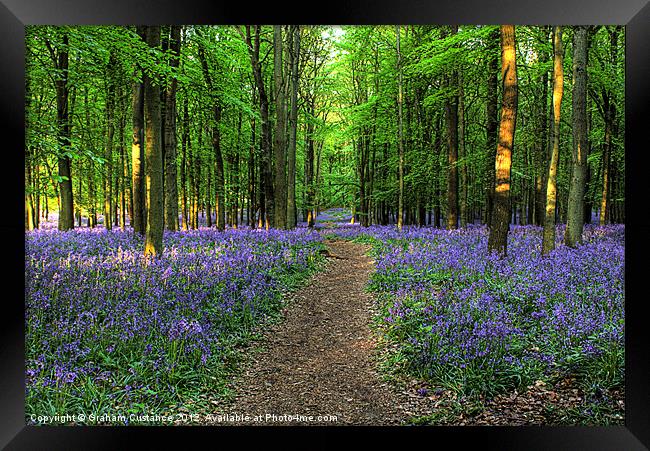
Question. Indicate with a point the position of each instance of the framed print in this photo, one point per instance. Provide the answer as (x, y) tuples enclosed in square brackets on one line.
[(422, 219)]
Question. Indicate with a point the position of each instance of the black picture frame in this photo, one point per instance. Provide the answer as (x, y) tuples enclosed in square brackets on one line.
[(635, 14)]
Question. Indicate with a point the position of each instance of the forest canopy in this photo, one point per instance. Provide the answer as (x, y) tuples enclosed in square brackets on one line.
[(268, 125)]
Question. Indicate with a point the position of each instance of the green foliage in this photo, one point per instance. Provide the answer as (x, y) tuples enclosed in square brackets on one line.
[(347, 106)]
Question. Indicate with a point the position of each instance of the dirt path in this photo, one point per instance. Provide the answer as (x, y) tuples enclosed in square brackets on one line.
[(319, 361)]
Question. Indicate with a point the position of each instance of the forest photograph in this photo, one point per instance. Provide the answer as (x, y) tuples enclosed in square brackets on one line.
[(232, 225)]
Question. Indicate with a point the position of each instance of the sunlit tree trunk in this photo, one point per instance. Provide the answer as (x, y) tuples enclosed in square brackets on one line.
[(137, 156), (153, 246), (575, 214), (548, 242), (498, 238)]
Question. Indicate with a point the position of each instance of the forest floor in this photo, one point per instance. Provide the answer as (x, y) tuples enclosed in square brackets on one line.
[(321, 360), (324, 364)]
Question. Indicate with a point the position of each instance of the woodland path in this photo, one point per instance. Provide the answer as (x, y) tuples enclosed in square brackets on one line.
[(321, 358)]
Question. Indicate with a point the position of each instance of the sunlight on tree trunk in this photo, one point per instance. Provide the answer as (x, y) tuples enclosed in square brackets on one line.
[(498, 238), (548, 242), (153, 246)]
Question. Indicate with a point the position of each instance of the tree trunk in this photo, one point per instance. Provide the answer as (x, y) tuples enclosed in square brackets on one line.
[(30, 220), (208, 194), (216, 145), (575, 213), (542, 144), (171, 182), (153, 158), (609, 107), (491, 127), (137, 156), (400, 137), (464, 179), (280, 144), (252, 178), (309, 173), (60, 60), (293, 124), (548, 242), (110, 130), (267, 210), (498, 238), (184, 143), (451, 119)]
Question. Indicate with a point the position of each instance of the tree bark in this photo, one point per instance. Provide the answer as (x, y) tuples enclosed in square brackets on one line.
[(464, 179), (575, 213), (266, 182), (309, 171), (137, 155), (400, 137), (609, 107), (542, 148), (293, 127), (548, 242), (60, 60), (30, 220), (153, 246), (108, 150), (491, 127), (216, 147), (280, 141), (451, 119), (171, 174), (184, 143), (498, 238)]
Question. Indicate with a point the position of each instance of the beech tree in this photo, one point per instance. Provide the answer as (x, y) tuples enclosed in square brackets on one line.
[(59, 56), (138, 221), (254, 117), (153, 245), (400, 208), (498, 238), (575, 214), (294, 57), (170, 151), (548, 242), (280, 132)]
